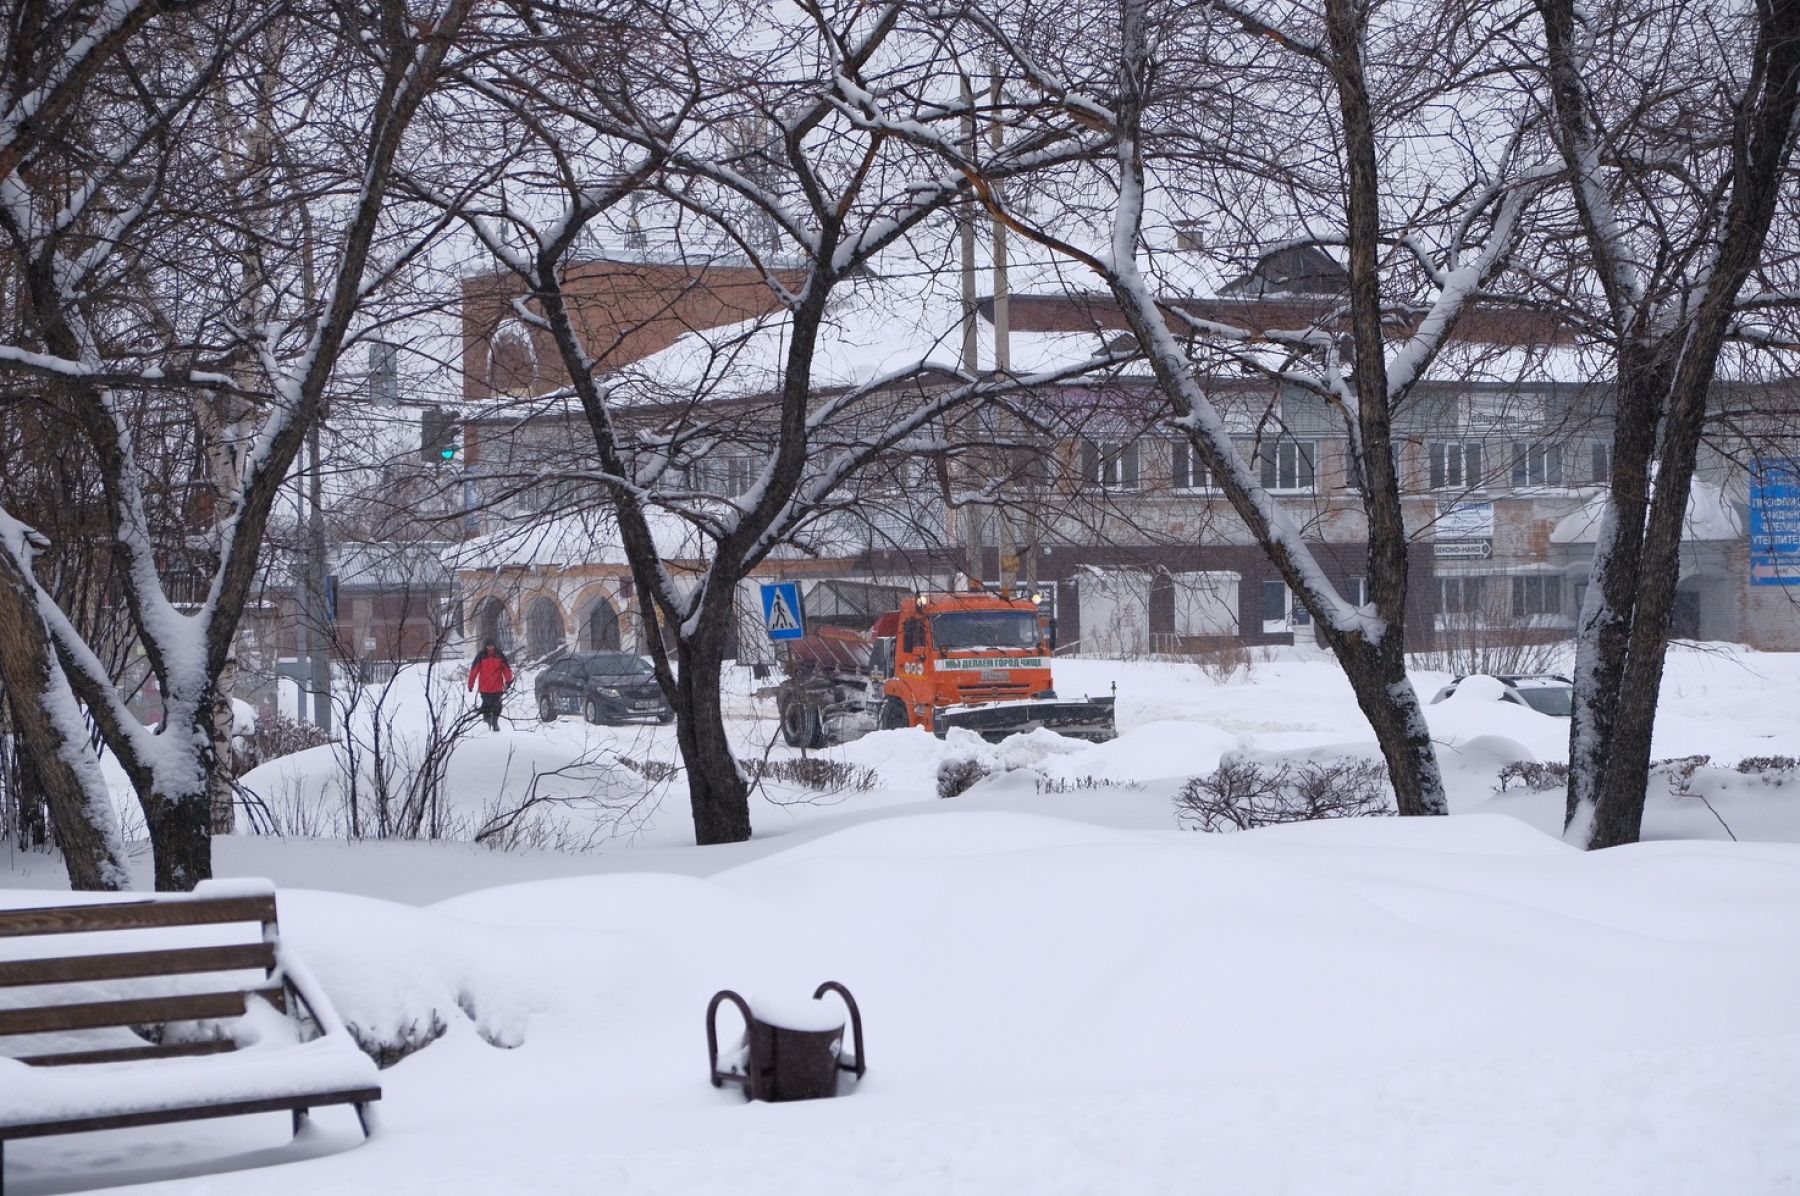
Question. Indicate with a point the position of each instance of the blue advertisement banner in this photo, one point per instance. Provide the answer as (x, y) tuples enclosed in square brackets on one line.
[(1775, 523)]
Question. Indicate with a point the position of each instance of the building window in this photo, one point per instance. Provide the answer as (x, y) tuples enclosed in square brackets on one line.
[(1600, 462), (1288, 465), (544, 632), (1279, 610), (1460, 595), (1190, 472), (1536, 595), (739, 473), (1456, 465), (1537, 464), (1206, 604), (1357, 592), (1110, 464), (724, 476)]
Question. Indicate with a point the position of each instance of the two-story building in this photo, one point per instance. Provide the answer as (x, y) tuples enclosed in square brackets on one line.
[(1107, 512)]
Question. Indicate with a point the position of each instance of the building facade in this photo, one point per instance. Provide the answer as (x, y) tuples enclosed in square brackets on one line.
[(1115, 521)]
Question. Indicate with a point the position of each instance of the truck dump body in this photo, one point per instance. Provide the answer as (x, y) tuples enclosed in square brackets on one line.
[(830, 650)]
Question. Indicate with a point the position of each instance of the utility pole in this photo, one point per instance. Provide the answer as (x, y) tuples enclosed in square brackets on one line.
[(1002, 321), (321, 638), (1006, 544), (970, 514), (305, 617)]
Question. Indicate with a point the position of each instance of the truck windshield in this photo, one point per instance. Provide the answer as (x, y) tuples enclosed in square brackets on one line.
[(985, 629)]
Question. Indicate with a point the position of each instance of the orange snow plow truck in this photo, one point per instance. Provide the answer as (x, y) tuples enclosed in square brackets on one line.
[(975, 659)]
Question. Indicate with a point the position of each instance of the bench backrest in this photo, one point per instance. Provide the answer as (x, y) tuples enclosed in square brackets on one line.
[(137, 980)]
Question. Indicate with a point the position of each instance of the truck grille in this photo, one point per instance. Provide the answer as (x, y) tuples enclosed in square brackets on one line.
[(993, 693)]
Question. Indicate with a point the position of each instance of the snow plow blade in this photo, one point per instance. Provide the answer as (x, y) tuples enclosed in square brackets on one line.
[(1091, 719)]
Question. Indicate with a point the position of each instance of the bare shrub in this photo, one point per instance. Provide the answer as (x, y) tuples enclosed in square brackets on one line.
[(1494, 643), (814, 772), (539, 830), (1679, 771), (654, 771), (1773, 769), (290, 812), (575, 807), (1224, 663), (956, 774), (1242, 794), (279, 735), (389, 1048), (394, 770), (1538, 778), (1083, 784)]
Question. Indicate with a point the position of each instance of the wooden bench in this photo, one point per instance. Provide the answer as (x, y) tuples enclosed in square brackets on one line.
[(119, 1019)]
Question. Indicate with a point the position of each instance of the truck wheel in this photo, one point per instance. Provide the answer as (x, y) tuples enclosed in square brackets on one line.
[(793, 723), (802, 726), (892, 716), (546, 710)]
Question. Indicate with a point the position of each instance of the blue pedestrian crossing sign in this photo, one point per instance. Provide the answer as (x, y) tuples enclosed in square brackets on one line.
[(782, 614)]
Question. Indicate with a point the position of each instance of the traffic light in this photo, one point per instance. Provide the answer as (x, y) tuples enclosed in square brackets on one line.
[(440, 436)]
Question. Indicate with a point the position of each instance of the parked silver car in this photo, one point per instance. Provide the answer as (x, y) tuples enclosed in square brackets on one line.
[(1546, 693)]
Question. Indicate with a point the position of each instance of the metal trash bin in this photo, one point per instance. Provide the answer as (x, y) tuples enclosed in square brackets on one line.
[(788, 1062)]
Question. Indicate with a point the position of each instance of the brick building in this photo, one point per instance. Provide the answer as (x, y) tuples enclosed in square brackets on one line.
[(1133, 546)]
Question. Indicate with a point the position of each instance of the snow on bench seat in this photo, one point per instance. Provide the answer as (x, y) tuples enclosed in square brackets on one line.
[(259, 1072), (128, 1013)]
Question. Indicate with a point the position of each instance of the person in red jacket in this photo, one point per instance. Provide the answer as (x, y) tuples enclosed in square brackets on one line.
[(491, 675)]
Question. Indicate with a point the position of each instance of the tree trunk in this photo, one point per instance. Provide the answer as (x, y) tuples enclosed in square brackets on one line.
[(222, 804), (1620, 794), (716, 790), (179, 814), (30, 827), (181, 838), (1603, 628), (53, 750), (1377, 675)]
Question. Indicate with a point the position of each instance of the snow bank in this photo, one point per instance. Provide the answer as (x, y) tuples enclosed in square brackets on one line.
[(400, 976), (1365, 1006), (1175, 723)]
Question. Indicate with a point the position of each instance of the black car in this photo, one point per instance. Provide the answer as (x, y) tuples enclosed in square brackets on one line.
[(606, 687)]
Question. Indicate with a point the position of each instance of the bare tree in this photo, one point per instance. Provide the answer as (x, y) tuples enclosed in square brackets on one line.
[(1209, 106), (791, 171), (129, 224), (1675, 122)]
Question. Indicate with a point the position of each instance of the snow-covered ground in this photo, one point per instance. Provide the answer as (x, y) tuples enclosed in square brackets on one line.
[(1062, 992)]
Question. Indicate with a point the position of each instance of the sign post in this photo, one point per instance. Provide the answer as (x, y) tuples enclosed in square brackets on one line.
[(783, 616)]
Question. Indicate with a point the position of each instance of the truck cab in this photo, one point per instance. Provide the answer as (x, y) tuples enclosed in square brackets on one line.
[(959, 650)]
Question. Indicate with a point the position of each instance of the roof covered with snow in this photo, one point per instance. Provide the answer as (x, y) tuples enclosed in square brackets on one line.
[(1710, 516)]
